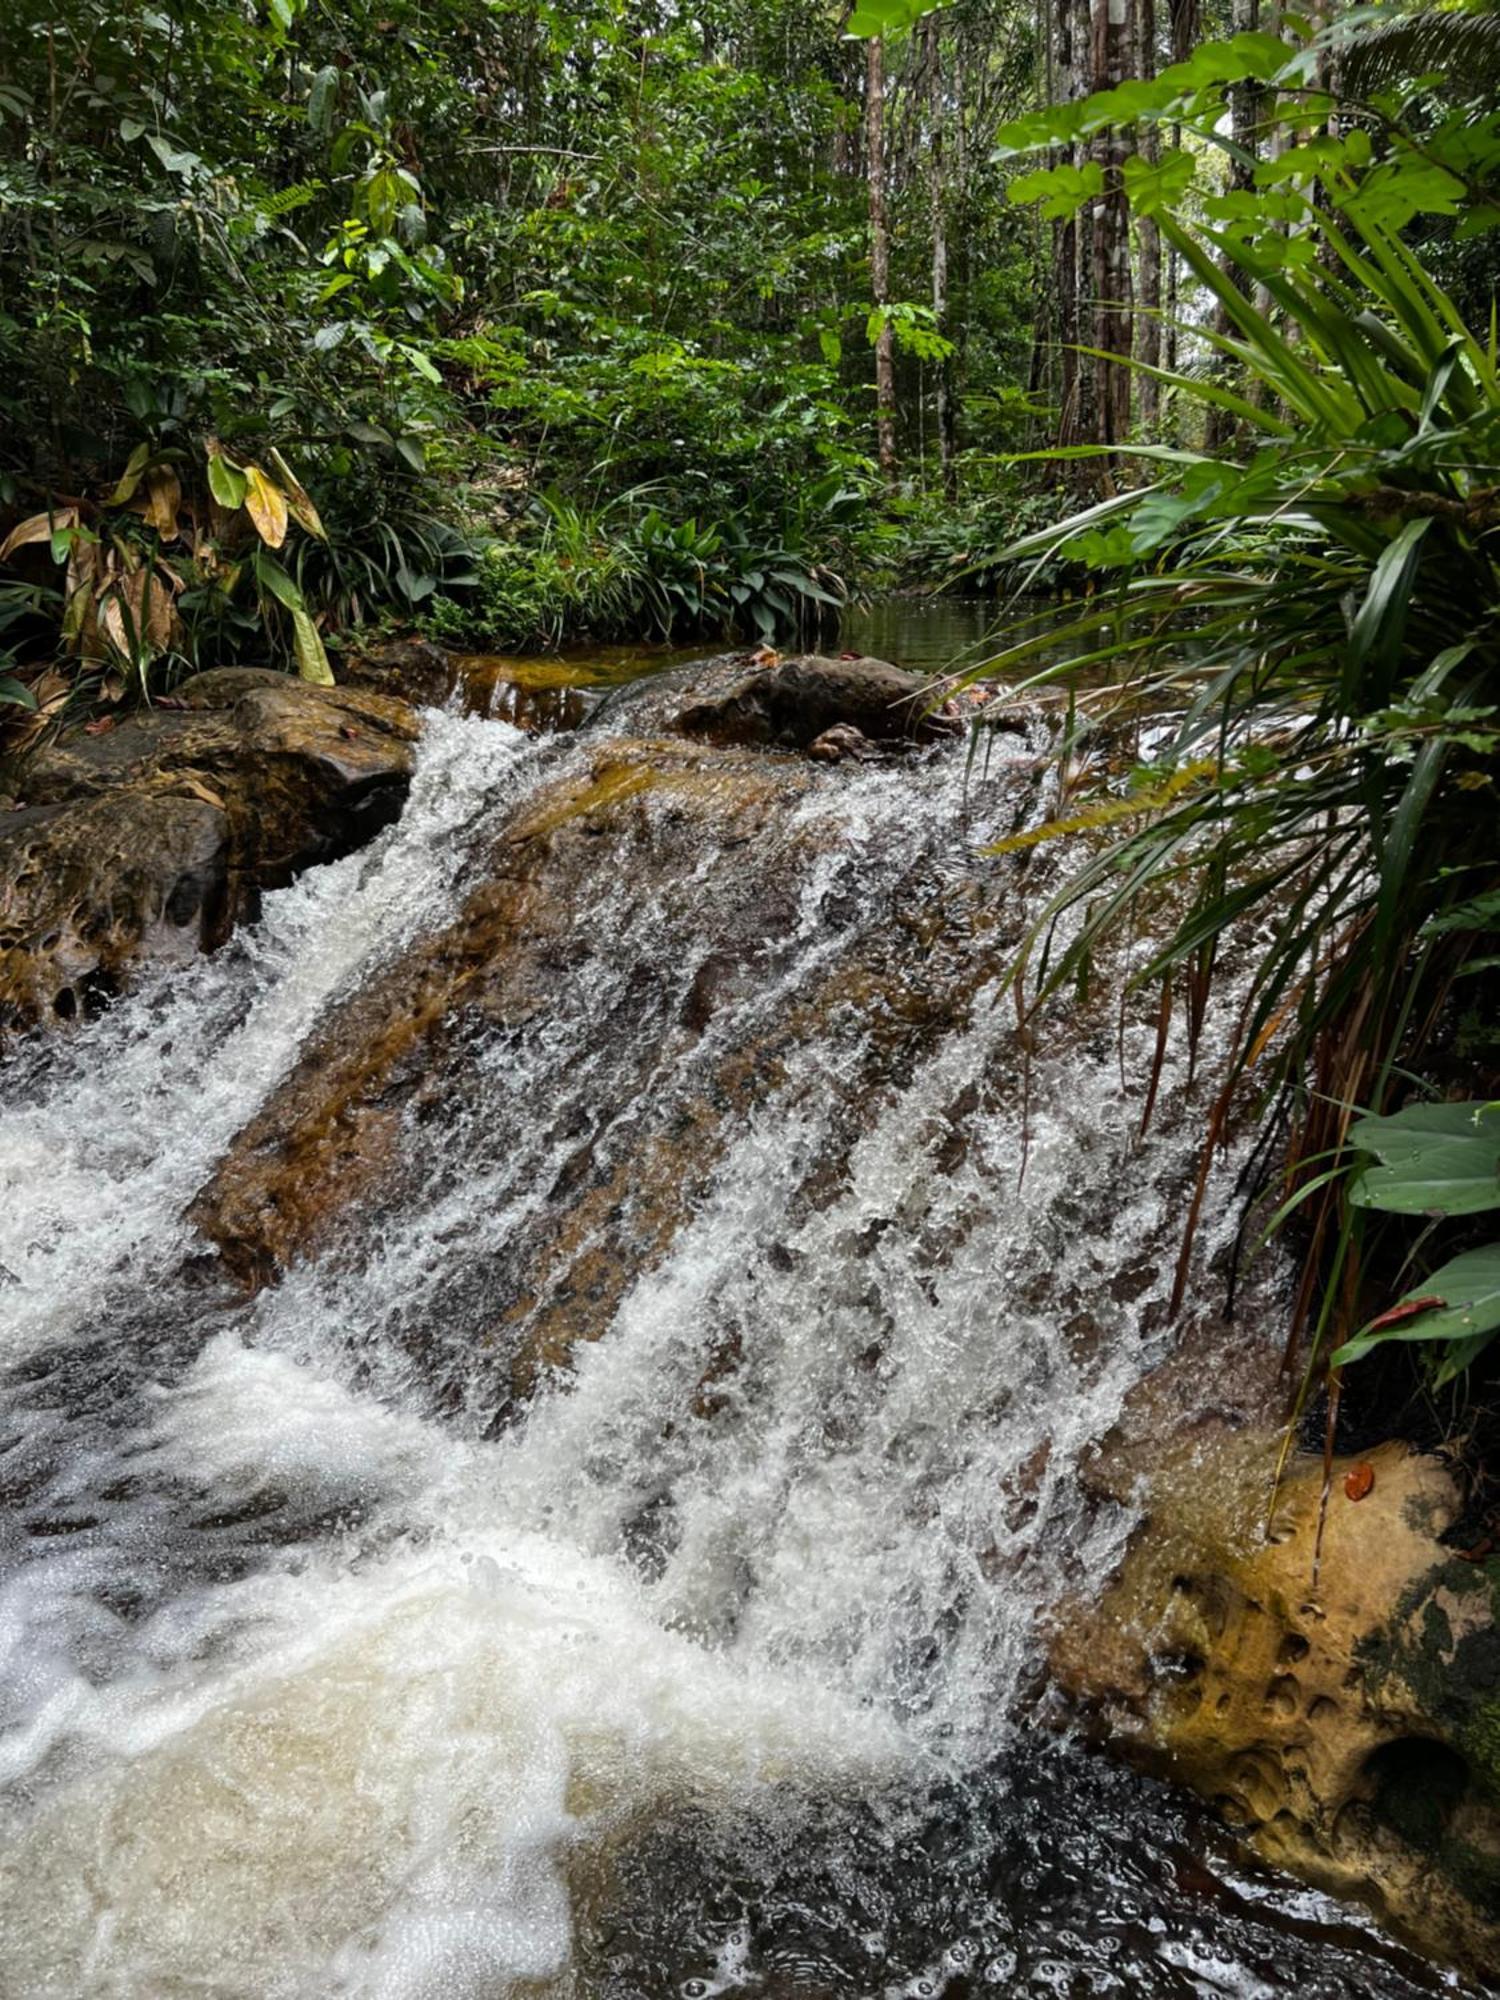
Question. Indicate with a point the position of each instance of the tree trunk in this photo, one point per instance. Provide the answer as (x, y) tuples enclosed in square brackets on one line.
[(1148, 236), (1112, 39), (943, 399), (1065, 248), (1244, 118), (880, 257)]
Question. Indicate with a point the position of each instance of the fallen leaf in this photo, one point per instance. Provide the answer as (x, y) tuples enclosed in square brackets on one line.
[(1408, 1309), (100, 726), (1359, 1480), (38, 528), (202, 791)]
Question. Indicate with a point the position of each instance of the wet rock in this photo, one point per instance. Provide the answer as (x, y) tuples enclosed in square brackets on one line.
[(1341, 1707), (147, 843), (841, 743), (717, 845), (800, 701), (414, 670)]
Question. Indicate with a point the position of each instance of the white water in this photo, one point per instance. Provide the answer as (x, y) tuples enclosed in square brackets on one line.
[(309, 1689)]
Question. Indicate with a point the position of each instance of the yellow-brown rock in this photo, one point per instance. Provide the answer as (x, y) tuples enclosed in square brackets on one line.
[(1338, 1705)]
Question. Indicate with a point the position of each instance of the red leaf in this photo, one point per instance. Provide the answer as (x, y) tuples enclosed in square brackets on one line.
[(100, 726), (1408, 1309), (1359, 1480)]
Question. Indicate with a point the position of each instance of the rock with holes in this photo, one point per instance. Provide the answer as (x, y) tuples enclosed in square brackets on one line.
[(1339, 1702), (146, 843)]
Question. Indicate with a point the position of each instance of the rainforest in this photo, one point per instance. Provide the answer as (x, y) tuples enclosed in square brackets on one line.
[(749, 999)]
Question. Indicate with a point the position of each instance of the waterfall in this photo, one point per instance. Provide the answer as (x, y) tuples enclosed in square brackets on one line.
[(329, 1667)]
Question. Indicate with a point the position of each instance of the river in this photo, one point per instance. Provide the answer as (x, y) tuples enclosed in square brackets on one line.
[(325, 1670)]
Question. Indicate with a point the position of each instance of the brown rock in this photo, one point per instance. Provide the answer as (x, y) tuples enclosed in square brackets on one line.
[(146, 844), (415, 670), (1341, 1716), (797, 702), (712, 840)]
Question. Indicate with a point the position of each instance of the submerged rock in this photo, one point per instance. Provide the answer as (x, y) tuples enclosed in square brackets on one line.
[(1339, 1704), (147, 843)]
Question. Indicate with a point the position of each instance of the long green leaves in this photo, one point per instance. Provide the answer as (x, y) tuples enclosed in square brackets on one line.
[(1315, 605)]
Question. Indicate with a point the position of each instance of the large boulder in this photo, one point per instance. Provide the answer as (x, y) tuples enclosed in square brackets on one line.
[(794, 702), (1324, 1668), (716, 851), (146, 843)]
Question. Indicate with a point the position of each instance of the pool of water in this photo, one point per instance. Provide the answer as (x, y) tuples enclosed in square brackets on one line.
[(925, 635)]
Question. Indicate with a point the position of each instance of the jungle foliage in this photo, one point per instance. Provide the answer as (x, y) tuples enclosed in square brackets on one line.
[(559, 314), (1305, 583)]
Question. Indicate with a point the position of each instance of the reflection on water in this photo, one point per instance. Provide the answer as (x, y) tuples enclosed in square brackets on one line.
[(926, 635)]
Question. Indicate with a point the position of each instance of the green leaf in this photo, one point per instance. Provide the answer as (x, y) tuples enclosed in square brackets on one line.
[(1481, 914), (1469, 1288), (226, 482), (272, 577), (175, 159), (130, 478), (321, 98), (309, 651), (1435, 1159), (1150, 186), (16, 692), (1062, 190)]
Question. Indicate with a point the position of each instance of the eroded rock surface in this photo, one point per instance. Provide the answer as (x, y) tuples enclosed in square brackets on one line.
[(1342, 1706), (721, 846), (147, 843)]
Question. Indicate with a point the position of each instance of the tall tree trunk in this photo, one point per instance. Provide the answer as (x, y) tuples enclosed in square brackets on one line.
[(1065, 246), (1148, 236), (880, 256), (1182, 18), (1112, 39), (944, 402), (1244, 119)]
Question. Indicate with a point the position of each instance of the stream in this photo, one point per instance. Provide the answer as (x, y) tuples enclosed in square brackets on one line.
[(332, 1666)]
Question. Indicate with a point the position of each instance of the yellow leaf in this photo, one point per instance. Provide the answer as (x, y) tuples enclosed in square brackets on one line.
[(163, 499), (38, 528), (297, 497), (135, 465), (312, 656), (266, 505), (201, 791)]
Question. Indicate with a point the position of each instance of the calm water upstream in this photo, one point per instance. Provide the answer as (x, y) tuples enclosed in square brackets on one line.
[(324, 1671)]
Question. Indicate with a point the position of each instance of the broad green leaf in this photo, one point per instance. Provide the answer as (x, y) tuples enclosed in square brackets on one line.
[(321, 98), (176, 159), (272, 577), (1435, 1159), (130, 478), (1062, 190), (226, 482), (1150, 186), (1469, 1288)]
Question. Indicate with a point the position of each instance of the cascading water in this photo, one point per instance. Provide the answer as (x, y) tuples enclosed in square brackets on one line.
[(329, 1665)]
